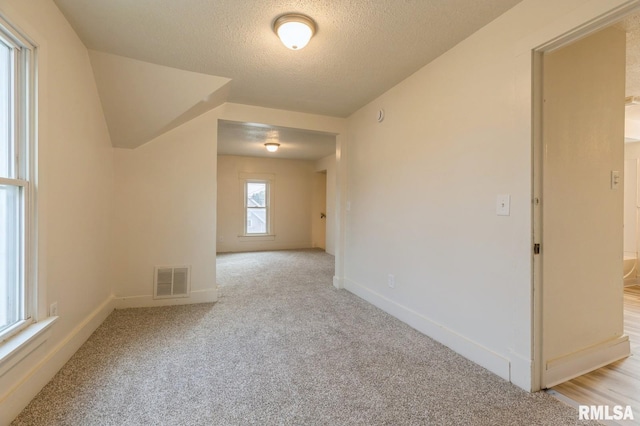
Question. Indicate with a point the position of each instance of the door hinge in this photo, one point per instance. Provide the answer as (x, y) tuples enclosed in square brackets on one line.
[(536, 249)]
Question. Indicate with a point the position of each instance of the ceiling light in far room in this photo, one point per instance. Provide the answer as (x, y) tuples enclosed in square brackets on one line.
[(272, 146), (294, 30)]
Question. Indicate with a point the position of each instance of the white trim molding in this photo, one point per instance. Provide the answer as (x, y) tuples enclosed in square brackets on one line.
[(521, 370), (464, 346), (576, 364), (22, 344), (338, 282), (147, 300)]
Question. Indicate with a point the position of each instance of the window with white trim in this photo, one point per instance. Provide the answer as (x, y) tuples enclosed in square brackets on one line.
[(257, 207), (16, 180)]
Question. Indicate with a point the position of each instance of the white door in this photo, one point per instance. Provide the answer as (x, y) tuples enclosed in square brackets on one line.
[(582, 211)]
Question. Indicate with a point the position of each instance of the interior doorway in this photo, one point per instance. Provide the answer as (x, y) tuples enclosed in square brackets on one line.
[(582, 326), (297, 206), (582, 203)]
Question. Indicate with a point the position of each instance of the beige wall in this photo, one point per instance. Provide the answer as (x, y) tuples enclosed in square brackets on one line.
[(583, 136), (292, 195), (166, 212), (75, 199), (422, 190)]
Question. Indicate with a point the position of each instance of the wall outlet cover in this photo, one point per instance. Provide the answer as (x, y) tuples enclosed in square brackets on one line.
[(503, 205)]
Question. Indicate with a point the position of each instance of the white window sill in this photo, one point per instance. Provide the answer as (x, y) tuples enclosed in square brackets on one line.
[(256, 237), (22, 344)]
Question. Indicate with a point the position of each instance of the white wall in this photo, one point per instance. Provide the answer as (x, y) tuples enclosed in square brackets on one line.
[(75, 199), (423, 184), (328, 164), (581, 258), (292, 194), (632, 129), (166, 212), (318, 208), (631, 203)]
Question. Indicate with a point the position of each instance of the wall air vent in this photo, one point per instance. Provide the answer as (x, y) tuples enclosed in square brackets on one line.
[(171, 282)]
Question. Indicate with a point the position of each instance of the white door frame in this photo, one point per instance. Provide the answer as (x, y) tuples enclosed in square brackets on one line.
[(538, 53)]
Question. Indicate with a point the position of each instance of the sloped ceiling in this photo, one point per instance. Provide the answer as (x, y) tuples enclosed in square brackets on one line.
[(631, 25), (361, 49), (142, 100), (159, 63)]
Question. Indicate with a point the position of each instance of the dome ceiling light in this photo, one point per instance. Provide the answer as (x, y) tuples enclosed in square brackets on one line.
[(272, 146), (294, 30)]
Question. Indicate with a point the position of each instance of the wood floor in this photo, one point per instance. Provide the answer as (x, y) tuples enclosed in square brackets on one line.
[(617, 383)]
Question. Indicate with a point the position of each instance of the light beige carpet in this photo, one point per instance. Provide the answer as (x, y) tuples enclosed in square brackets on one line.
[(281, 347)]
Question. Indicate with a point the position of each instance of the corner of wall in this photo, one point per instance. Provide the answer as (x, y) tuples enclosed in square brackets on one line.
[(521, 371)]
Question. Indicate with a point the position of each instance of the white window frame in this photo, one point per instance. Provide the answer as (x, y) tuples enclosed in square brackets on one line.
[(267, 208), (22, 104), (270, 179)]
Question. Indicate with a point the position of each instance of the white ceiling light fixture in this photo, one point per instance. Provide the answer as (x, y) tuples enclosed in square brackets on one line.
[(294, 30), (272, 146)]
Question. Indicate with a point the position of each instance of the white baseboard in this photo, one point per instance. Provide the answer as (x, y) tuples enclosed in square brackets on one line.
[(466, 347), (578, 363), (242, 247), (147, 300), (338, 282), (521, 371), (13, 401)]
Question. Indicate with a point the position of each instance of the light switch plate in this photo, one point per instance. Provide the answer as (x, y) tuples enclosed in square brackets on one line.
[(503, 205), (615, 179)]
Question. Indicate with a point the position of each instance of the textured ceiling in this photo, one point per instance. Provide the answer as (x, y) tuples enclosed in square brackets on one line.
[(361, 49), (248, 140), (631, 25)]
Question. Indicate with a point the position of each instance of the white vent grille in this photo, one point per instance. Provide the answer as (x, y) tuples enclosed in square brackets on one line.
[(171, 282)]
